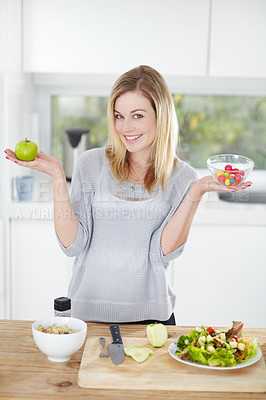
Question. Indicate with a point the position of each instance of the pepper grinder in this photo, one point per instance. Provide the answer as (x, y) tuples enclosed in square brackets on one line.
[(62, 307)]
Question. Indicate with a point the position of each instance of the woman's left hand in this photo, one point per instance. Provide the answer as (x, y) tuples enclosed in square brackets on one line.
[(208, 184)]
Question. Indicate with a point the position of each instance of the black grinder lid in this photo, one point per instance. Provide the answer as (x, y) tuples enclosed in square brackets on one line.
[(62, 304)]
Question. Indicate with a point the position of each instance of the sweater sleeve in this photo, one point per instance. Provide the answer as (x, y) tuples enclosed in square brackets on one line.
[(81, 199), (155, 245), (179, 190)]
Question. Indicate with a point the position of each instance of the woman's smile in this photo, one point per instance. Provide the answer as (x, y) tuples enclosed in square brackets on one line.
[(132, 138)]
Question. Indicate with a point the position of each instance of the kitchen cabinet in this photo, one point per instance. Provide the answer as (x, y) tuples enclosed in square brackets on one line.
[(219, 38), (103, 37), (40, 271), (221, 275), (238, 33)]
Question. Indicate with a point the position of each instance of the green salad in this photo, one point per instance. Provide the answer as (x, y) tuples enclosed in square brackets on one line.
[(216, 348)]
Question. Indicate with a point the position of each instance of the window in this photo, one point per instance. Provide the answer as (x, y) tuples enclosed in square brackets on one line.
[(208, 125), (78, 112), (221, 124)]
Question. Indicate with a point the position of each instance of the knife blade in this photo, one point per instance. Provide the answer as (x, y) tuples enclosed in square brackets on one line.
[(116, 348)]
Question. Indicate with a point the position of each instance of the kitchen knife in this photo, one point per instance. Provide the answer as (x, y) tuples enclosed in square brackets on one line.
[(116, 348)]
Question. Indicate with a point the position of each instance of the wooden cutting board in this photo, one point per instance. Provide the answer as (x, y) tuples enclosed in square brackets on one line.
[(161, 372)]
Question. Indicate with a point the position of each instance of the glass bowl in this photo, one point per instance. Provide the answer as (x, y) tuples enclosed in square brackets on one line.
[(230, 169)]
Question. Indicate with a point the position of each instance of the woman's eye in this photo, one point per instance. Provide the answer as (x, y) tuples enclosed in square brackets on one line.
[(138, 116), (118, 116)]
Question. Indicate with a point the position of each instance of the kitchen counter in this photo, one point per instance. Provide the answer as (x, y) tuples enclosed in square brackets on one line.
[(26, 373)]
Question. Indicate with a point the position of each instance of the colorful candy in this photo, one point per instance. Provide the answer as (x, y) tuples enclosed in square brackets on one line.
[(221, 178), (238, 178), (228, 167), (230, 176)]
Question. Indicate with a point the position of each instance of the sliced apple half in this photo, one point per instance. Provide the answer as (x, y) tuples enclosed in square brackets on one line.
[(139, 354), (157, 334)]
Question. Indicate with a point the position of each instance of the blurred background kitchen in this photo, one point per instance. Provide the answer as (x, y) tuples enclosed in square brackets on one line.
[(58, 62)]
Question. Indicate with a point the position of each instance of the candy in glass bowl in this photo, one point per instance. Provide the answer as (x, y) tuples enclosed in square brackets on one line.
[(230, 169)]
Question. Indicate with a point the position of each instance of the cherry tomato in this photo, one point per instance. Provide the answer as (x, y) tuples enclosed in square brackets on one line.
[(195, 344), (218, 343), (234, 337), (210, 330)]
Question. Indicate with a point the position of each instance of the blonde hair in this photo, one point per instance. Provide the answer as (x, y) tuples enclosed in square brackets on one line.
[(152, 85)]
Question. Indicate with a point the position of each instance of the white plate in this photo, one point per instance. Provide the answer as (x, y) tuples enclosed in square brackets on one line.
[(173, 347)]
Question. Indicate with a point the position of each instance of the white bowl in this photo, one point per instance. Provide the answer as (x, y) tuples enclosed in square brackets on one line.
[(241, 168), (59, 348)]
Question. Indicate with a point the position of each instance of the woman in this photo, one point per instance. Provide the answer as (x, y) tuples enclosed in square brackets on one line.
[(131, 208)]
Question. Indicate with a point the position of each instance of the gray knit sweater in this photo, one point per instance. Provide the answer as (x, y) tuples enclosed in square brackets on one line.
[(119, 273)]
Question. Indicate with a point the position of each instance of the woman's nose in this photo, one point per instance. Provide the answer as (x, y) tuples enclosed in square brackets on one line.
[(127, 126)]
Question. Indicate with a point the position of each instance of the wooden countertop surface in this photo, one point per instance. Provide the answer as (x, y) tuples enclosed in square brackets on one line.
[(26, 373)]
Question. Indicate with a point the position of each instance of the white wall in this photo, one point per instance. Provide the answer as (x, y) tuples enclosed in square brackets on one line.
[(10, 64), (10, 36), (17, 99)]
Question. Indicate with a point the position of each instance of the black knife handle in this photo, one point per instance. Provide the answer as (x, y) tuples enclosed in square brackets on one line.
[(116, 333)]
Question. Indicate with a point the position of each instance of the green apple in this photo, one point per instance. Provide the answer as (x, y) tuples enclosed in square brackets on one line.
[(140, 354), (26, 150), (157, 334)]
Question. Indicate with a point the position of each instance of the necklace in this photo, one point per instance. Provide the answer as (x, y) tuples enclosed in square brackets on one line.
[(133, 185), (139, 177)]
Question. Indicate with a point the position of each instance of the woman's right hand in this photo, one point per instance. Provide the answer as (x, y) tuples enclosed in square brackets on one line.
[(43, 162)]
